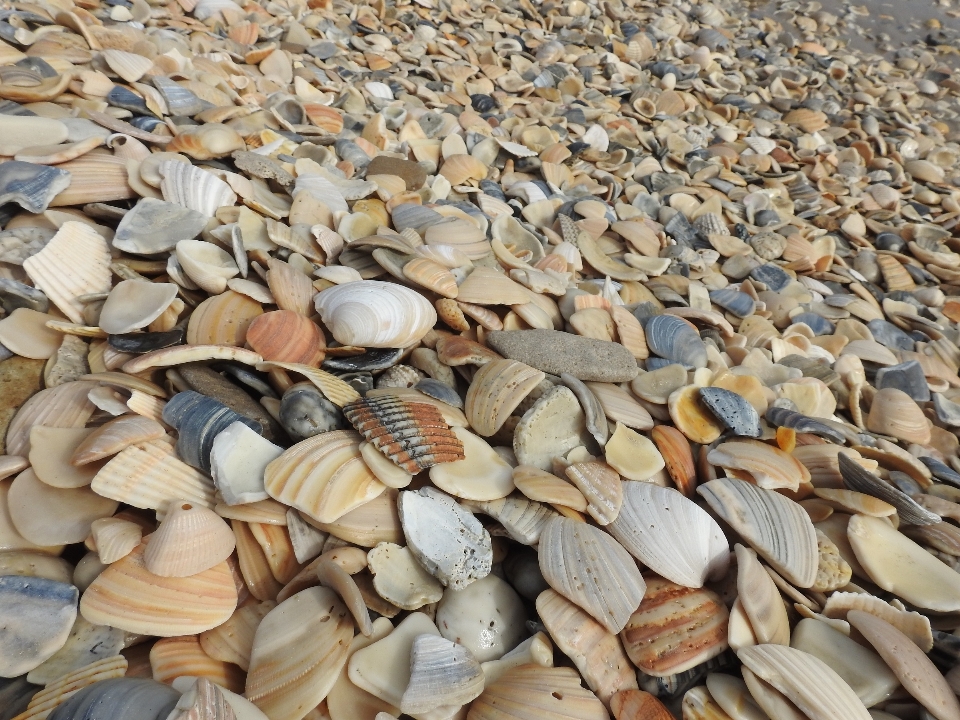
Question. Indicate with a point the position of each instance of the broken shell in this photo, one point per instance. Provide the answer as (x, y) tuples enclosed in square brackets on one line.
[(733, 410), (893, 412), (400, 579), (441, 673), (206, 264), (115, 538), (770, 467), (496, 390), (602, 488), (286, 336), (481, 475)]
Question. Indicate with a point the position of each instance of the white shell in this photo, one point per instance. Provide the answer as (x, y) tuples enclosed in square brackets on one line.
[(237, 462), (591, 569), (441, 673), (206, 264), (375, 314), (134, 304), (670, 534), (193, 188)]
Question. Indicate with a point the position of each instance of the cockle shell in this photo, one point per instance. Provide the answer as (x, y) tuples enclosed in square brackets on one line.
[(591, 569), (532, 691), (602, 488), (190, 539), (776, 527), (65, 687), (193, 188), (65, 406), (114, 436), (115, 538), (370, 313), (496, 390), (76, 262), (670, 534), (128, 596), (175, 657)]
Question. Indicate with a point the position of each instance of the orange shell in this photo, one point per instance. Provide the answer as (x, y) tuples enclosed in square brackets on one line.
[(286, 336)]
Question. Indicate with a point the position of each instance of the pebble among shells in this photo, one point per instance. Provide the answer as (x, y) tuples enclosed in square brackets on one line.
[(361, 360)]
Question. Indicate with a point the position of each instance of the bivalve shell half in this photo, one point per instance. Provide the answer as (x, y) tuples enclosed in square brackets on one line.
[(371, 313), (286, 336), (114, 436), (760, 600), (482, 474), (115, 538), (222, 320), (194, 188), (496, 390), (442, 673), (532, 691), (894, 413), (190, 539), (638, 705), (134, 304), (770, 467)]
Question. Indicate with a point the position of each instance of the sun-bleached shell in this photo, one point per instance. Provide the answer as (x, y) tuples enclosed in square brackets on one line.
[(193, 188), (481, 475), (531, 691), (912, 624), (496, 390), (50, 452), (770, 467), (115, 538), (591, 569), (541, 486), (371, 313), (233, 640), (400, 579), (76, 262), (632, 455), (760, 599), (670, 534), (331, 575), (134, 304), (602, 488), (190, 539), (776, 527), (441, 673)]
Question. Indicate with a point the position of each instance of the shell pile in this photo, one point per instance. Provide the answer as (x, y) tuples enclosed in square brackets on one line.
[(453, 360)]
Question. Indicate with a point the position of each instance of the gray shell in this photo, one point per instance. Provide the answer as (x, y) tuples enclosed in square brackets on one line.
[(673, 339), (736, 414)]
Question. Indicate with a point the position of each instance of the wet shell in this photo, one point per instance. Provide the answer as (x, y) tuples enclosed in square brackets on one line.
[(128, 596), (675, 628), (298, 652), (370, 313), (770, 467), (670, 534), (496, 390), (114, 436), (777, 528), (190, 539), (286, 336), (894, 413), (323, 476), (413, 435), (531, 691), (591, 569), (222, 320), (76, 262)]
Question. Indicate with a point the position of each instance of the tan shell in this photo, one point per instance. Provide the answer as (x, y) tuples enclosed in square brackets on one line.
[(893, 412), (770, 467), (114, 436), (532, 691), (541, 486), (602, 488), (431, 275), (128, 596), (496, 390), (373, 522), (331, 575), (222, 320), (233, 640), (175, 657), (190, 539), (460, 168), (692, 417), (760, 599), (486, 286), (115, 538), (50, 453)]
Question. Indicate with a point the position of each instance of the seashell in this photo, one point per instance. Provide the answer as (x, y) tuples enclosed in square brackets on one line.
[(286, 336), (128, 596), (638, 705), (154, 226), (97, 176), (171, 658), (439, 391), (675, 340), (47, 515), (39, 615), (496, 390), (148, 475), (195, 189), (25, 333), (675, 628), (118, 697), (65, 405), (894, 413), (485, 286), (857, 478), (129, 66), (208, 700), (522, 519), (677, 457), (298, 651), (652, 514), (323, 476), (760, 600), (733, 410), (11, 465), (541, 486), (591, 569), (134, 304), (782, 417), (291, 289), (115, 538), (50, 452), (770, 467), (113, 437), (331, 575), (399, 579), (602, 488), (206, 264), (805, 680), (734, 301), (74, 263), (691, 416), (597, 653), (375, 314), (442, 673), (777, 528), (65, 687), (912, 624), (413, 435), (432, 276), (199, 419), (458, 169), (222, 320), (205, 142), (233, 640), (481, 475), (238, 458), (32, 187), (656, 386), (532, 691), (190, 539)]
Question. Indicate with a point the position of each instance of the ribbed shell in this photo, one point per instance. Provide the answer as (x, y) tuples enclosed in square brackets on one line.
[(175, 657), (531, 692), (442, 673), (233, 640), (370, 313), (193, 188), (496, 390), (59, 691), (114, 436), (413, 435), (222, 320), (190, 539)]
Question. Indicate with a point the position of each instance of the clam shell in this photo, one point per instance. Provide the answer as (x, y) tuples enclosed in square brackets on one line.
[(760, 600), (541, 486), (252, 561), (602, 488), (809, 683), (128, 596), (770, 467), (370, 313), (25, 332), (291, 289), (733, 410), (632, 455), (481, 475), (591, 569), (286, 336), (323, 476), (486, 286), (670, 534), (597, 653), (442, 673), (222, 320), (399, 579), (206, 264), (691, 416), (206, 142), (777, 528), (232, 641), (76, 262), (531, 691), (857, 478), (193, 188), (154, 226), (638, 705), (331, 575), (413, 435), (675, 628), (496, 390), (298, 651), (432, 276), (675, 340), (114, 436), (115, 538), (50, 452), (894, 413), (65, 687), (175, 657), (32, 187), (134, 304), (190, 539), (373, 522)]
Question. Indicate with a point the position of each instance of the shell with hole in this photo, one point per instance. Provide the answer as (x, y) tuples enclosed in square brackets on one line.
[(190, 539)]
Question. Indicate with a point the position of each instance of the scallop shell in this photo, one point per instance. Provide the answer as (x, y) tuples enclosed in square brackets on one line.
[(776, 527), (591, 569), (675, 628), (298, 652), (597, 653), (190, 539), (522, 519), (76, 262), (496, 390), (128, 596), (894, 413), (65, 406), (413, 435), (770, 467), (286, 336), (458, 169), (370, 313), (222, 320), (323, 476), (806, 681), (58, 692), (670, 534), (442, 673), (175, 657), (193, 188), (532, 691), (291, 289), (114, 436), (233, 640), (115, 538), (134, 304), (206, 264)]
